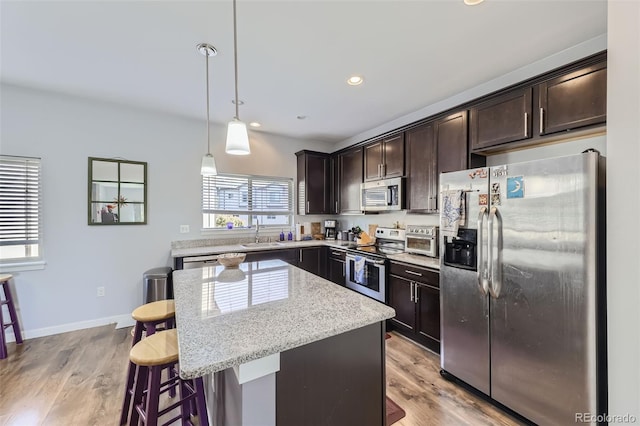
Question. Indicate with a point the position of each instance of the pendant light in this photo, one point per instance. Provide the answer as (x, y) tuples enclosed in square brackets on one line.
[(208, 167), (237, 136)]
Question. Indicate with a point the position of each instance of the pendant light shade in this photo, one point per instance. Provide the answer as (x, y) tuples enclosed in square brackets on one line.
[(208, 167), (237, 138)]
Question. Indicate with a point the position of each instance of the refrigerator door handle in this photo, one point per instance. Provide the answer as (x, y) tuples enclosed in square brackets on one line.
[(482, 275), (495, 253)]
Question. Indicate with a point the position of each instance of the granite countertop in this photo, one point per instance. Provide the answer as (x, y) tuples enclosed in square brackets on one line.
[(200, 250), (227, 317), (203, 247), (416, 259)]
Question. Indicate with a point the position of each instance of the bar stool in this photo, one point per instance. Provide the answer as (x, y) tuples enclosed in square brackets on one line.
[(152, 355), (148, 317), (8, 300)]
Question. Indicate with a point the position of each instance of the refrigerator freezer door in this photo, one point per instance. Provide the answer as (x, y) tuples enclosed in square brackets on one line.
[(543, 324), (464, 306)]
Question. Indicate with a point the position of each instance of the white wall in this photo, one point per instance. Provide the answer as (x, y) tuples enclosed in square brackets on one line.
[(64, 132), (623, 201)]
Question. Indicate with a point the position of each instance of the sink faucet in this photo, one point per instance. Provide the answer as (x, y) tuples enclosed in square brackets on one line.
[(257, 232)]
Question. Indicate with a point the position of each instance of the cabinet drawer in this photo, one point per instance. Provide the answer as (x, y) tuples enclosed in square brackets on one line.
[(415, 273), (337, 254)]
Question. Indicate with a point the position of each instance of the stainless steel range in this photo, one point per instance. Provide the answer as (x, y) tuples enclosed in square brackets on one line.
[(366, 265)]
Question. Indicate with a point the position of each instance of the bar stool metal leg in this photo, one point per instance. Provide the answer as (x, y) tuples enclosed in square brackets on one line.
[(203, 418), (3, 343), (13, 317), (153, 395)]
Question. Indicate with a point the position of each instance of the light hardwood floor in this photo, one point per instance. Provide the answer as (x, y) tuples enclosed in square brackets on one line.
[(415, 384), (77, 378)]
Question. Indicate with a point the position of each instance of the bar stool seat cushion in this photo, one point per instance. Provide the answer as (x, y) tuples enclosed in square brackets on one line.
[(158, 349), (155, 311)]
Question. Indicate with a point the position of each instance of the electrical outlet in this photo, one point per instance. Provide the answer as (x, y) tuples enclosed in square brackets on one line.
[(184, 229), (100, 292)]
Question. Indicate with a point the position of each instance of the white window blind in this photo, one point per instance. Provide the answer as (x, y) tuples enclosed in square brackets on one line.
[(240, 199), (20, 209)]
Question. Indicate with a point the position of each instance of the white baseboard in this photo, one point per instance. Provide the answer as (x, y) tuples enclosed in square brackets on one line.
[(120, 321)]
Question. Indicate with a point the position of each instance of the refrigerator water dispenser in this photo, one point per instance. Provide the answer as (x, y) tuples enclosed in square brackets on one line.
[(460, 251)]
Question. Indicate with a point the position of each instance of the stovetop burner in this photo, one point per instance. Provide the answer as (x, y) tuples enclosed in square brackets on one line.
[(388, 241)]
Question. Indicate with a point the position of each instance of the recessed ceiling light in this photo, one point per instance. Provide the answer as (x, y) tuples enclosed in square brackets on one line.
[(355, 80), (472, 2), (255, 124)]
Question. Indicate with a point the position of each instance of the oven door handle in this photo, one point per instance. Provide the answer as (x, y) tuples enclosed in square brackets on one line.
[(366, 259)]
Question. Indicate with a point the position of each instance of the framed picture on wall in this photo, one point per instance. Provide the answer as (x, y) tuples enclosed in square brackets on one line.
[(117, 192)]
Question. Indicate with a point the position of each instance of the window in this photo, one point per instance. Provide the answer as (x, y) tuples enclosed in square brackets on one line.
[(237, 201), (20, 210)]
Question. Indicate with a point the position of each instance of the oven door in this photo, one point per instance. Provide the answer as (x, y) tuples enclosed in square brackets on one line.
[(371, 280)]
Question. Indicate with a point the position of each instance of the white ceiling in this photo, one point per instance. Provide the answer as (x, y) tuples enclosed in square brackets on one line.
[(293, 56)]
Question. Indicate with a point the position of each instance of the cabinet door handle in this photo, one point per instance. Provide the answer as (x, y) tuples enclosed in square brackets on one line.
[(344, 270), (415, 297), (336, 253), (308, 210), (541, 120), (300, 257), (411, 291), (336, 207), (413, 273), (526, 127)]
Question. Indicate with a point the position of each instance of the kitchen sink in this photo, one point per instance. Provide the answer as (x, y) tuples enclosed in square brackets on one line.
[(262, 244)]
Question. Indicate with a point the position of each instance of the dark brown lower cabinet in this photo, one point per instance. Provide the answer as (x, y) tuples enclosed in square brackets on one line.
[(414, 294), (336, 266), (286, 255), (310, 259)]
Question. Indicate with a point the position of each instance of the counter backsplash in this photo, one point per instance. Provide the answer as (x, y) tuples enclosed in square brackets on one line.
[(345, 222)]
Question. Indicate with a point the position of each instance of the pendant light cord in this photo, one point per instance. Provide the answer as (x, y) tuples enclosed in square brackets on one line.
[(235, 56), (206, 56)]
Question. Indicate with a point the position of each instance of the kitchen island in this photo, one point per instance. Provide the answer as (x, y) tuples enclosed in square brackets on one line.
[(279, 345)]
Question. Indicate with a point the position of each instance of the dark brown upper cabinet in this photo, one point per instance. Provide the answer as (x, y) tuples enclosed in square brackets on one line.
[(334, 187), (576, 99), (313, 182), (503, 119), (451, 142), (422, 169), (349, 180), (385, 158)]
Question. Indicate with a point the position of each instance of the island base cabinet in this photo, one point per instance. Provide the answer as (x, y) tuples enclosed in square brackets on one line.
[(338, 381)]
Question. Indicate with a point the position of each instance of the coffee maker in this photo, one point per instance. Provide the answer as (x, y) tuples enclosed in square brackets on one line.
[(330, 229)]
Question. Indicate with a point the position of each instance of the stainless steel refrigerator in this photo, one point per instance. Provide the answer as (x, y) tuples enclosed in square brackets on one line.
[(522, 285)]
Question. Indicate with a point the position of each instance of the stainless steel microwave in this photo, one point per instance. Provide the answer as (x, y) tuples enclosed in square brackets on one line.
[(382, 195)]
